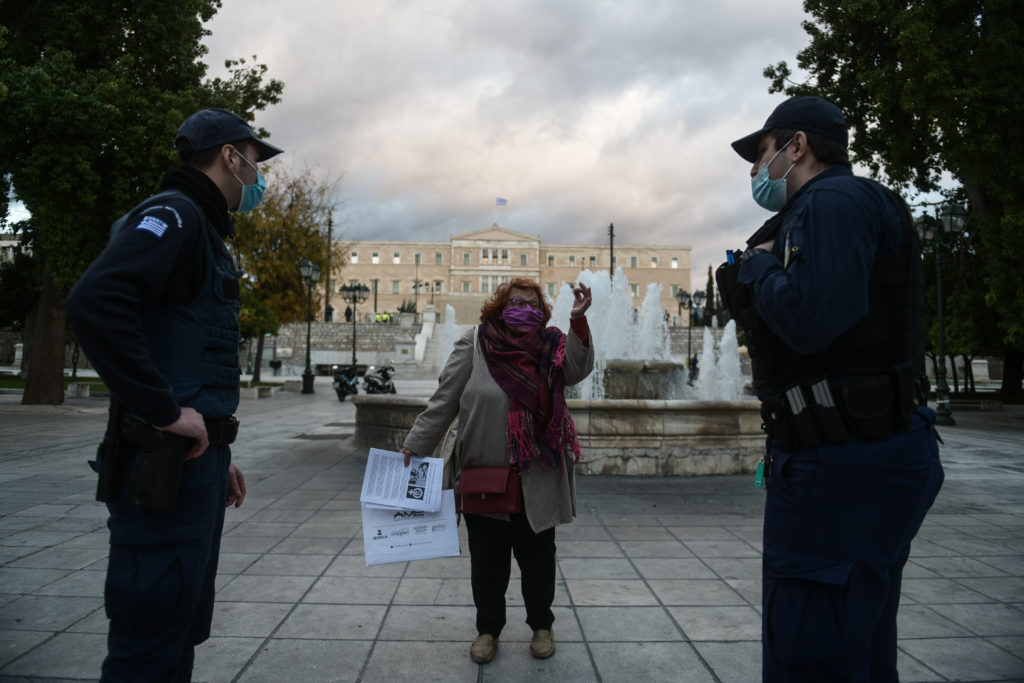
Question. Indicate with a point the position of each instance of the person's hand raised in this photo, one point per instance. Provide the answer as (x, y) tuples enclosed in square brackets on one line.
[(581, 302)]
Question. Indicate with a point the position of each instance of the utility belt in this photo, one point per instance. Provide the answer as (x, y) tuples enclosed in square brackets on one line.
[(155, 471), (831, 409)]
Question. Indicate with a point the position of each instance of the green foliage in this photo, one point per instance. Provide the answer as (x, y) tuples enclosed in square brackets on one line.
[(92, 94), (286, 227), (407, 306), (932, 87), (254, 318)]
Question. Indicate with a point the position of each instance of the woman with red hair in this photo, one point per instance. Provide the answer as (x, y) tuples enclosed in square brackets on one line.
[(505, 380)]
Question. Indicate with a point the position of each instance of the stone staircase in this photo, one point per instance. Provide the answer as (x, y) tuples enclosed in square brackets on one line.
[(430, 367)]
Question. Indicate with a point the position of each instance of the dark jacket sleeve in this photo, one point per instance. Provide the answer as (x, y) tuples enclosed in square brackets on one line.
[(146, 262)]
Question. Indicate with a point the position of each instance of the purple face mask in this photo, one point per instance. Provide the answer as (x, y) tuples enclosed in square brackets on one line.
[(522, 317)]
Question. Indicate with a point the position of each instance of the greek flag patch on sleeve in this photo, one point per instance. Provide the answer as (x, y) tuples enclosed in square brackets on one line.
[(152, 224)]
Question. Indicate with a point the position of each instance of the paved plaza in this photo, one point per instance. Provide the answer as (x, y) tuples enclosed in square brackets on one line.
[(658, 579)]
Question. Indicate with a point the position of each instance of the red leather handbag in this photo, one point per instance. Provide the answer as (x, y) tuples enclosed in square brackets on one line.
[(489, 490)]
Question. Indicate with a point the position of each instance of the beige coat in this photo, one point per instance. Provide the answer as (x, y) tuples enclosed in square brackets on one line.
[(466, 389)]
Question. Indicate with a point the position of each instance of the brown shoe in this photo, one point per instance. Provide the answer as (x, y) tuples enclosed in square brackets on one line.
[(543, 644), (483, 648)]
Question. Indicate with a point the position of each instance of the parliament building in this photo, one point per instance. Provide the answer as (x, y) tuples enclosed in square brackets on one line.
[(464, 271)]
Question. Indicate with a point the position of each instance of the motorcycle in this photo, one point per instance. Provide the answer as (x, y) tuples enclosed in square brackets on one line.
[(378, 380), (345, 381)]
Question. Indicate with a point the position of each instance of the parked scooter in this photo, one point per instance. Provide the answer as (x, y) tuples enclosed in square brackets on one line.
[(378, 380), (345, 381)]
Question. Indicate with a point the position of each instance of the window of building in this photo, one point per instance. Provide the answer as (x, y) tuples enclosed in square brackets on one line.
[(615, 261), (396, 257), (504, 255), (494, 255), (353, 257), (551, 289), (417, 258), (375, 257), (654, 262), (632, 261), (634, 289), (572, 259), (522, 259), (438, 258), (374, 286), (485, 256), (396, 286), (465, 258), (465, 286), (593, 261), (675, 261), (437, 285), (551, 260)]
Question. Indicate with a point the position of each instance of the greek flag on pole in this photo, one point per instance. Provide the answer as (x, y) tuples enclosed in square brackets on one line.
[(500, 201)]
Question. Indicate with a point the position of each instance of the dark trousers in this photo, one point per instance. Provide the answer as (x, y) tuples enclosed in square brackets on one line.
[(490, 542), (839, 521), (159, 592)]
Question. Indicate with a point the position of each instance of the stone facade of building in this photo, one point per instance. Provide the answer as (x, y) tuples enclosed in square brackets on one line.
[(464, 271)]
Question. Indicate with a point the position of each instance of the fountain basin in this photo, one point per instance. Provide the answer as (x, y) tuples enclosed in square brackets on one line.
[(641, 437), (644, 379)]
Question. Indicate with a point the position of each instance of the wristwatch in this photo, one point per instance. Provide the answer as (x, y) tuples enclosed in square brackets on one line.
[(750, 253)]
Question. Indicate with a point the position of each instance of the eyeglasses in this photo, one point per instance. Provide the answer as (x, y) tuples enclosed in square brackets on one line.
[(520, 302)]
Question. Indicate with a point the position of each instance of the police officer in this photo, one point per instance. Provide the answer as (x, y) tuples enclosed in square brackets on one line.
[(829, 292), (157, 314)]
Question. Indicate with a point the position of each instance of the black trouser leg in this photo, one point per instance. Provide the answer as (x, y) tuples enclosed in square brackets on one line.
[(490, 546), (535, 554)]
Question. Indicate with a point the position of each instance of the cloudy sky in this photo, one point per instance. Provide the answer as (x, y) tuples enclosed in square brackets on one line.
[(578, 112)]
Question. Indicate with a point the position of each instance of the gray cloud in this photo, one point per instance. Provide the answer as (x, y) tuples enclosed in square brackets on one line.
[(580, 113)]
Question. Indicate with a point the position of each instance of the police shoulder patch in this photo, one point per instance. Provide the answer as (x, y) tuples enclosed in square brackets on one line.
[(153, 225)]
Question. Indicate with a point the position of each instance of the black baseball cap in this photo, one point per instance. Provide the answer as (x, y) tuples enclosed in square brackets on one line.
[(809, 114), (211, 127)]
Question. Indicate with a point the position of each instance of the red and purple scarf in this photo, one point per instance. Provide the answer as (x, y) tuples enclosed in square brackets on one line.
[(529, 369)]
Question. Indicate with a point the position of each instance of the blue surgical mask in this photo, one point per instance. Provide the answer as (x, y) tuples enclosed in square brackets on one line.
[(770, 194), (252, 195)]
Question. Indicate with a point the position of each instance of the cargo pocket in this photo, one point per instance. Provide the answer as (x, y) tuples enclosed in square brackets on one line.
[(804, 624)]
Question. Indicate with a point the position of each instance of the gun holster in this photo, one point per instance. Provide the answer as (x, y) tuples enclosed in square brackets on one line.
[(156, 469)]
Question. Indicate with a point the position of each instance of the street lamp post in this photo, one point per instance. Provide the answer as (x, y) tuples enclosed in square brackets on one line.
[(948, 220), (685, 300), (310, 273), (355, 294)]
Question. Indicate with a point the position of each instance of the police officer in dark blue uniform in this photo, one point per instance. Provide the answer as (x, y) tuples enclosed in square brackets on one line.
[(157, 314), (830, 294)]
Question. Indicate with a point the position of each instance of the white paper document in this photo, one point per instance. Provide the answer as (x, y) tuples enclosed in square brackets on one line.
[(389, 483), (391, 535)]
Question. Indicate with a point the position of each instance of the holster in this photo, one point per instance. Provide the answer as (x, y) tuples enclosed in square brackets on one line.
[(110, 458), (156, 470)]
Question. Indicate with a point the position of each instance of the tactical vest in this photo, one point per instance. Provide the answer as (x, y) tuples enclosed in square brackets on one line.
[(195, 345), (890, 335)]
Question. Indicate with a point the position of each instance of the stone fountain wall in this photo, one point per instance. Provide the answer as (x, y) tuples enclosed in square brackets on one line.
[(617, 436)]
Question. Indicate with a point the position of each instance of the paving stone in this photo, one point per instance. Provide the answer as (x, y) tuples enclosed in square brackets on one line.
[(609, 592), (626, 624), (423, 661), (274, 564), (737, 661), (695, 592), (308, 660), (220, 658), (648, 661), (65, 655), (45, 612), (343, 622), (513, 662), (266, 588), (965, 659), (718, 623), (14, 644), (597, 568), (352, 590), (671, 548), (245, 619)]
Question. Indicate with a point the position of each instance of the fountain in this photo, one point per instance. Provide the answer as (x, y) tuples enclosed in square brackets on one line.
[(635, 414)]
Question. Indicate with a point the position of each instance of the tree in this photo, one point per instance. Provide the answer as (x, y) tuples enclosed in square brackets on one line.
[(286, 227), (92, 94), (932, 87)]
